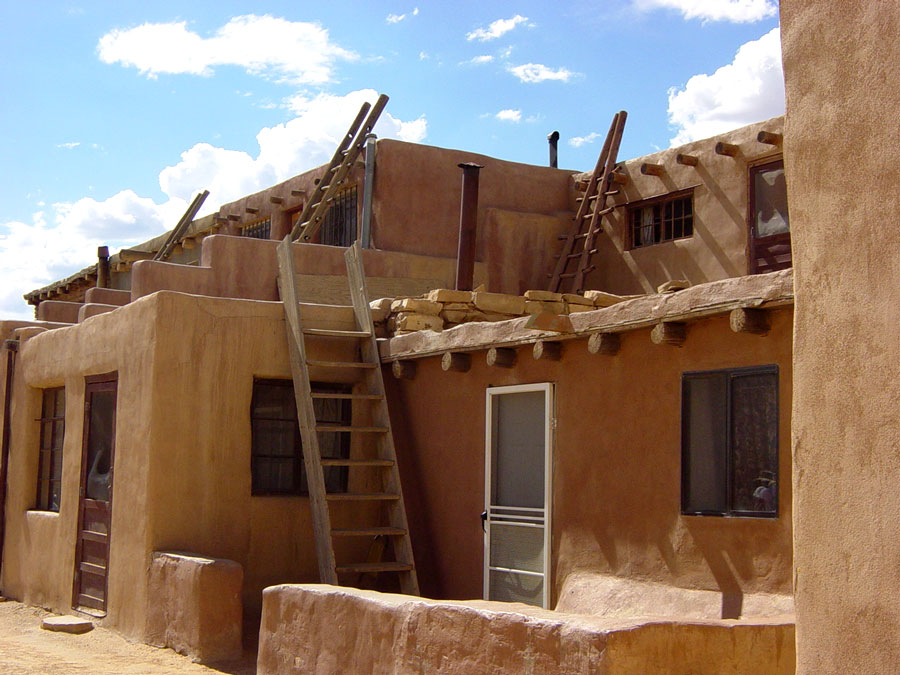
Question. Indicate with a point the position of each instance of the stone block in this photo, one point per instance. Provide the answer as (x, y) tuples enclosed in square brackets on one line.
[(544, 296), (673, 286), (454, 315), (601, 299), (573, 308), (576, 299), (381, 303), (537, 307), (379, 315), (417, 306), (197, 609), (411, 322), (67, 624), (446, 295), (500, 303), (458, 306)]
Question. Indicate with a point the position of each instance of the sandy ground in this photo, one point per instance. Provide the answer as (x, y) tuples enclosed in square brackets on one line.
[(26, 648)]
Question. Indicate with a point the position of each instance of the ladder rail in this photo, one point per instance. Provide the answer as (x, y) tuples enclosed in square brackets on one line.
[(600, 203), (569, 244), (403, 552), (336, 161), (306, 417), (309, 223)]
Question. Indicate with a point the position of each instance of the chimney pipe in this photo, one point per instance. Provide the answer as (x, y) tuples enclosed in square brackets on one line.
[(468, 213), (553, 139), (102, 267)]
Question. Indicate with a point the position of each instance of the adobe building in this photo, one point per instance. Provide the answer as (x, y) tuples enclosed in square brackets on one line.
[(627, 463)]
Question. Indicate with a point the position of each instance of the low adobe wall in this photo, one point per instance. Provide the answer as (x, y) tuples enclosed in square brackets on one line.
[(197, 606), (326, 629)]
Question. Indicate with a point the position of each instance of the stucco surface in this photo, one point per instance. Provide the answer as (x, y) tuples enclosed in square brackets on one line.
[(616, 470), (719, 246), (182, 465), (324, 629), (841, 160)]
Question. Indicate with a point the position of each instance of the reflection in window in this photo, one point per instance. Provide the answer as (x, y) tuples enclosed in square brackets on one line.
[(770, 206), (53, 423), (662, 220), (730, 442)]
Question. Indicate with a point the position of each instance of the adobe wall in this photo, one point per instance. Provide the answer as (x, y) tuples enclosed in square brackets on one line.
[(841, 149), (616, 472), (401, 634), (718, 248), (182, 459)]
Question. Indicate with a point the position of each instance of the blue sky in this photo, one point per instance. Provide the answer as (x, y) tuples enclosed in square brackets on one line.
[(116, 113)]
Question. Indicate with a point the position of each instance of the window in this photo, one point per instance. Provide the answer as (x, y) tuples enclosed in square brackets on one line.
[(53, 424), (258, 230), (770, 231), (729, 462), (339, 227), (661, 219), (277, 455)]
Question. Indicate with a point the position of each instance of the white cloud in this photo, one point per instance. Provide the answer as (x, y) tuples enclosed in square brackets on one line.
[(397, 18), (578, 141), (288, 51), (69, 146), (496, 29), (737, 11), (477, 60), (749, 89), (59, 241), (537, 72), (509, 115), (423, 56)]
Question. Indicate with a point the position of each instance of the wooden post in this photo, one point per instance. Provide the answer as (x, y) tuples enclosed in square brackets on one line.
[(276, 200), (502, 357), (769, 138), (552, 351), (404, 370), (618, 178), (686, 160), (749, 320), (468, 216), (728, 149), (652, 169), (459, 362), (604, 343), (102, 267), (669, 333), (252, 210)]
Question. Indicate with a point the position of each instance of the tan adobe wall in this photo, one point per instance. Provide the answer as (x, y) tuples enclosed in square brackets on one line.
[(182, 460), (843, 92), (616, 472), (718, 247), (402, 634)]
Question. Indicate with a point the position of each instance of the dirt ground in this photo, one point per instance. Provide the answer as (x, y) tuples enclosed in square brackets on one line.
[(26, 648)]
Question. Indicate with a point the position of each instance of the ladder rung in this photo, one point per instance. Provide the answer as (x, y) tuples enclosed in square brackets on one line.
[(353, 397), (362, 497), (593, 251), (342, 364), (326, 332), (336, 461), (608, 209), (611, 193), (345, 427), (369, 532), (92, 568), (569, 275), (367, 568)]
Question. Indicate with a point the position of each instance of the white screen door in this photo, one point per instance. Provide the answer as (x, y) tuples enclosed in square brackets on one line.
[(517, 493)]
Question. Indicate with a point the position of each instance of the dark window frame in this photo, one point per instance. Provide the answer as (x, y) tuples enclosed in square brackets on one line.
[(50, 450), (339, 227), (759, 246), (336, 478), (261, 229), (670, 198), (730, 375)]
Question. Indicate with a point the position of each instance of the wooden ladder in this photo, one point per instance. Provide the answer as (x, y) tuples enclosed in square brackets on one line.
[(579, 244), (353, 142), (379, 466)]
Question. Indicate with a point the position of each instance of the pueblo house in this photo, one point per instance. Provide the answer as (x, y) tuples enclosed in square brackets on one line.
[(569, 391)]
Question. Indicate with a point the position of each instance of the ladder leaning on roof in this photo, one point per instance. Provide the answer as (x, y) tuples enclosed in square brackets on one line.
[(579, 244), (380, 465), (348, 150)]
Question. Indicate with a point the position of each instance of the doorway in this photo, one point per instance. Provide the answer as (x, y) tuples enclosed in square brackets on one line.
[(95, 494), (518, 442)]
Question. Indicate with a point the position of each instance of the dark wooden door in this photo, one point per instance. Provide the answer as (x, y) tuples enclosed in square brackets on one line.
[(95, 503), (770, 233)]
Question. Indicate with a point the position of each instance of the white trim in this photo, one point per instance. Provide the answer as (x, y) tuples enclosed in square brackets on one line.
[(526, 516)]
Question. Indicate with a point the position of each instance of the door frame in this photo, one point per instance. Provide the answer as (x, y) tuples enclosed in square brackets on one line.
[(549, 427), (94, 383)]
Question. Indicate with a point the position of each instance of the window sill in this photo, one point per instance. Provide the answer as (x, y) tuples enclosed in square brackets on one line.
[(32, 514), (732, 516)]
